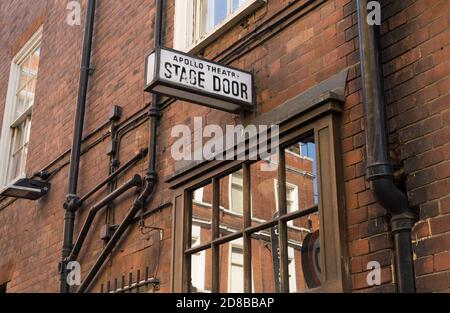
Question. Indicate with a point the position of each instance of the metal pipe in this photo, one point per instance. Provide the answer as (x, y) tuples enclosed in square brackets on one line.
[(151, 176), (135, 181), (379, 171), (81, 101), (122, 132), (72, 202), (142, 153), (127, 221)]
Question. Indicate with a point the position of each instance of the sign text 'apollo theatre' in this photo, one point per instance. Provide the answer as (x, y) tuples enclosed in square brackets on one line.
[(181, 76)]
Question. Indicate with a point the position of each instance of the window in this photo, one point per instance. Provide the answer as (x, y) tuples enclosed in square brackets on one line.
[(306, 150), (211, 13), (198, 263), (261, 240), (198, 22), (18, 109), (291, 196), (236, 198), (291, 270), (291, 238), (236, 268), (198, 195), (200, 230)]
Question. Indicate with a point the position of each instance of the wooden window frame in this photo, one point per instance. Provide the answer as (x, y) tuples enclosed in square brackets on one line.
[(331, 211)]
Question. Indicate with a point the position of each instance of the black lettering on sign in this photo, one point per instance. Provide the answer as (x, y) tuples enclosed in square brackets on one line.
[(235, 88), (183, 75), (201, 79), (225, 82), (226, 86), (177, 67), (244, 94), (216, 83), (168, 72), (193, 77)]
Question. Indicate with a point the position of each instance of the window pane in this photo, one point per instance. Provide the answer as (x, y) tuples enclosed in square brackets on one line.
[(31, 87), (202, 215), (23, 79), (34, 62), (304, 253), (263, 179), (22, 103), (237, 198), (301, 175), (232, 203), (220, 10), (18, 137), (291, 198), (198, 195), (18, 149), (265, 262), (27, 82), (200, 262), (237, 4), (210, 14), (231, 267), (14, 169)]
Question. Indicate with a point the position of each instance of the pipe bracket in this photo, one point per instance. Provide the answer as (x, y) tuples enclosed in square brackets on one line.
[(151, 177), (62, 266), (376, 170), (402, 222), (72, 203), (154, 112)]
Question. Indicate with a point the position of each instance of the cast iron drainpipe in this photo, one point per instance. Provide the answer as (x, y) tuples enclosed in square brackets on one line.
[(135, 181), (72, 200), (379, 170), (142, 153), (151, 177)]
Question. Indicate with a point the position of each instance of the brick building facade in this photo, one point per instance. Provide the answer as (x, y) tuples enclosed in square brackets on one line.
[(305, 59)]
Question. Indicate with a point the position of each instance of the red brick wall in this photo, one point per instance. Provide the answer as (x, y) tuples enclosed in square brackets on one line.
[(320, 43), (414, 40), (417, 84)]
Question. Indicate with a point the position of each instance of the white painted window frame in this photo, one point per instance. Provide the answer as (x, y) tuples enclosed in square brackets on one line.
[(292, 270), (10, 104), (230, 200), (296, 202), (186, 31), (199, 257), (238, 243), (288, 185)]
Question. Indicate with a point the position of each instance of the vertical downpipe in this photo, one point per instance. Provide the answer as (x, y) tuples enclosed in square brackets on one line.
[(379, 171), (72, 199), (151, 177)]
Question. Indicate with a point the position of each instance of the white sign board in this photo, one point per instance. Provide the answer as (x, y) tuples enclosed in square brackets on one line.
[(181, 76)]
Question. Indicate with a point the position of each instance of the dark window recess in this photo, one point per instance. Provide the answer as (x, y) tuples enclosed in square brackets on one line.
[(3, 288)]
